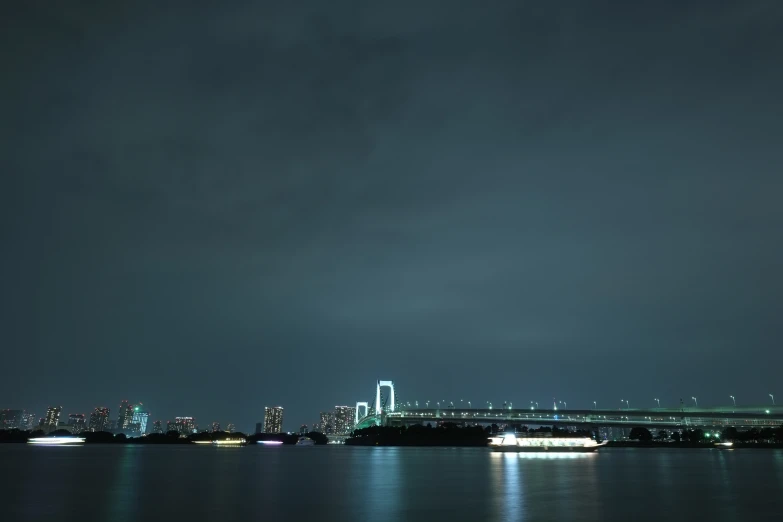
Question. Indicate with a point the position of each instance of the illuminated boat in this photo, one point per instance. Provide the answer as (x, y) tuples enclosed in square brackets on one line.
[(56, 441), (222, 442), (538, 443), (305, 441)]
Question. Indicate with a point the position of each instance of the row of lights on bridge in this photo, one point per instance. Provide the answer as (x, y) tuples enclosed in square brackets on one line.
[(534, 404)]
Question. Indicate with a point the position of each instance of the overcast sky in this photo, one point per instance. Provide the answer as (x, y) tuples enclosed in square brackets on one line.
[(237, 204)]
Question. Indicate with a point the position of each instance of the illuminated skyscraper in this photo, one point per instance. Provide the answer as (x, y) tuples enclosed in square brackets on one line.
[(52, 418), (77, 423), (139, 420), (326, 426), (99, 420), (182, 425), (231, 428), (343, 419), (273, 419), (28, 421), (215, 427), (303, 429), (124, 417), (156, 427)]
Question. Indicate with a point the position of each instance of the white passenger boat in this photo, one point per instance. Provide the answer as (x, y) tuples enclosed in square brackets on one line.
[(541, 442), (305, 441), (56, 441)]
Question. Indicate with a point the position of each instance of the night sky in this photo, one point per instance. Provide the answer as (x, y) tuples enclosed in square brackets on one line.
[(221, 207)]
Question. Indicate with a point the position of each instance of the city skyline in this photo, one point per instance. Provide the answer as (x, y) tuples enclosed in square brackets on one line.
[(327, 421)]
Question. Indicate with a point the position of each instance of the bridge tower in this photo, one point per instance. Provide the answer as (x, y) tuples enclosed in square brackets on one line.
[(380, 384), (366, 410)]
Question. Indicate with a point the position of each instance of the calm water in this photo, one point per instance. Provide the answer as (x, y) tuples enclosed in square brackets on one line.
[(151, 483)]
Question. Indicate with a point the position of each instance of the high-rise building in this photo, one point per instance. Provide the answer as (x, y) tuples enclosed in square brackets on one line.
[(215, 427), (52, 418), (273, 419), (182, 425), (326, 425), (139, 420), (11, 419), (99, 420), (28, 421), (124, 417), (156, 427), (77, 423), (259, 427), (231, 428), (303, 429), (343, 420)]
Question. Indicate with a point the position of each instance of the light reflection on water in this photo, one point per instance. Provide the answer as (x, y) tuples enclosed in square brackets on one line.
[(544, 455), (128, 483), (122, 501)]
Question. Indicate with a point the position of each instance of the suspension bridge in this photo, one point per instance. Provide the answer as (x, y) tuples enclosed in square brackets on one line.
[(385, 410)]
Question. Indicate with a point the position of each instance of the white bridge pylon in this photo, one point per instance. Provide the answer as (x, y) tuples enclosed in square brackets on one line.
[(378, 408), (360, 405)]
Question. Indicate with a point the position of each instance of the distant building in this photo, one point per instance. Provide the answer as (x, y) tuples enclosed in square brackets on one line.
[(215, 427), (156, 427), (259, 427), (273, 419), (124, 417), (77, 423), (11, 419), (326, 425), (52, 418), (343, 420), (231, 428), (303, 429), (28, 421), (182, 425), (139, 420), (99, 420)]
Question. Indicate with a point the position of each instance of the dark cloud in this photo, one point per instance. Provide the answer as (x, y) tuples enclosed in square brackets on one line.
[(216, 208)]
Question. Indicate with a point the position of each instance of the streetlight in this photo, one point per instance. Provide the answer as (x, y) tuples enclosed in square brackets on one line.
[(554, 403), (428, 404), (695, 401), (595, 405), (658, 401), (773, 398), (469, 406), (733, 400)]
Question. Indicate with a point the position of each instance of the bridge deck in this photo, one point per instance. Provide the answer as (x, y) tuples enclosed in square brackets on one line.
[(663, 417)]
